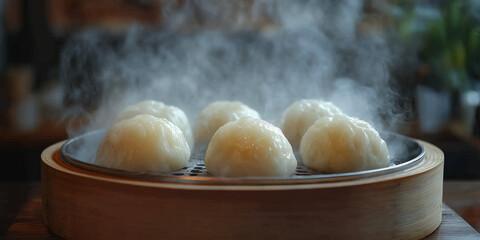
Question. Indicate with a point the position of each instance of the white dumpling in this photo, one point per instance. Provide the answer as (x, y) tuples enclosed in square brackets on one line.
[(340, 144), (299, 116), (249, 147), (144, 143), (216, 115), (159, 109)]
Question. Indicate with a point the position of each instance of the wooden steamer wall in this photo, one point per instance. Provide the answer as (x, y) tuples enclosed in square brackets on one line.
[(78, 204)]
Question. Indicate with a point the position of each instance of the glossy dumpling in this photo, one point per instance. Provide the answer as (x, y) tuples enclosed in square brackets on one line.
[(299, 116), (340, 144), (144, 143), (161, 110), (216, 115), (249, 147)]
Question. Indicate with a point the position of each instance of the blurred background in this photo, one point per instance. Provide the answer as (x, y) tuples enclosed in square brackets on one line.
[(434, 64), (436, 70)]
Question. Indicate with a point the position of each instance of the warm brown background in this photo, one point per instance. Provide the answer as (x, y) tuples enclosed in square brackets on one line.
[(34, 32)]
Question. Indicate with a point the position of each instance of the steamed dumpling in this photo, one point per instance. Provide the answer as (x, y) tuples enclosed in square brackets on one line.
[(249, 147), (159, 109), (340, 144), (144, 143), (299, 116), (216, 115)]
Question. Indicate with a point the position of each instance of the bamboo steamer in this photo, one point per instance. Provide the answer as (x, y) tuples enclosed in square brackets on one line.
[(79, 204)]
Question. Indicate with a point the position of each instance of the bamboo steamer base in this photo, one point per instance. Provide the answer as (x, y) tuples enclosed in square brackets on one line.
[(78, 204)]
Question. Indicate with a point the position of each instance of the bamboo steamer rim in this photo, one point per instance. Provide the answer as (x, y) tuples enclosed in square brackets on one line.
[(51, 157), (401, 205)]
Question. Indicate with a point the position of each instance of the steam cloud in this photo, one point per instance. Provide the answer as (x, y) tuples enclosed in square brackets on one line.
[(267, 54)]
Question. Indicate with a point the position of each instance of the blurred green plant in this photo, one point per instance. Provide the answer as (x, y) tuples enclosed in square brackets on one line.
[(450, 48), (450, 42)]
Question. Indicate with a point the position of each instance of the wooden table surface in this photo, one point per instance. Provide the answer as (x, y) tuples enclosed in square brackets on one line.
[(464, 198), (20, 205)]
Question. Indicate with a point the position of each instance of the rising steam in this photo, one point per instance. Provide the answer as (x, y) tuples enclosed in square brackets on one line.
[(267, 54)]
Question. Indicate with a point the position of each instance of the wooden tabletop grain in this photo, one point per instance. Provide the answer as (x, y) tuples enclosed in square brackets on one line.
[(20, 216)]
